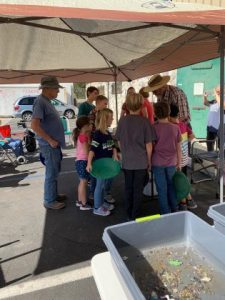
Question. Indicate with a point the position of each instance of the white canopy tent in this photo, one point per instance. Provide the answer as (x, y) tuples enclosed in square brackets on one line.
[(86, 41), (108, 40)]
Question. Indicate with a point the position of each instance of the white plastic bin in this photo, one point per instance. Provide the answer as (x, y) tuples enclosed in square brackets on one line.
[(126, 240), (217, 213)]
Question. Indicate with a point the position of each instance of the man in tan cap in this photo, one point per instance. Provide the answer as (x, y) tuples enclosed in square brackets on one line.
[(50, 134), (170, 94)]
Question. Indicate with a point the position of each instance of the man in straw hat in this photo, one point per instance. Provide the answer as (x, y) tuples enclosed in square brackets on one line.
[(50, 134), (170, 94)]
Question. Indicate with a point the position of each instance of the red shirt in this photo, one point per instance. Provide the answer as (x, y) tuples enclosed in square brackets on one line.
[(146, 105), (149, 108)]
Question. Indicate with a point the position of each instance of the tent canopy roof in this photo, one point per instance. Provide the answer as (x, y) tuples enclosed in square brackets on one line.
[(64, 39)]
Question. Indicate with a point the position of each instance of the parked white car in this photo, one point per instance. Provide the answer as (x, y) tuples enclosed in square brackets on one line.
[(23, 108)]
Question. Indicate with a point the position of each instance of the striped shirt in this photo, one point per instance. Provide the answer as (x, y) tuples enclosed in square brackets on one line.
[(185, 134)]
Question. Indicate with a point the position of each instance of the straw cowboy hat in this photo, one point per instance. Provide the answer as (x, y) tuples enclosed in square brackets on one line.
[(156, 82)]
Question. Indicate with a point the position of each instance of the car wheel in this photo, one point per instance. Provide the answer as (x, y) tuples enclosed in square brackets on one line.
[(27, 116), (69, 114)]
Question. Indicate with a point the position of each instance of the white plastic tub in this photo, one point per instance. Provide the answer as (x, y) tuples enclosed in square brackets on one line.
[(217, 213), (130, 241)]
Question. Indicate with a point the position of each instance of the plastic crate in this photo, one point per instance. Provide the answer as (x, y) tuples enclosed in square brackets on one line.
[(182, 228), (217, 213)]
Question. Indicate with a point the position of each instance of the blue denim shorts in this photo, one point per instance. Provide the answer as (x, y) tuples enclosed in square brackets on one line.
[(81, 169)]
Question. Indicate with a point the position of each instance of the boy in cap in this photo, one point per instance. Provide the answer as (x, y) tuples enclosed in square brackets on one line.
[(50, 135)]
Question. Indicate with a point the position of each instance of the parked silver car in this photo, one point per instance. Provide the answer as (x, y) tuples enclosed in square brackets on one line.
[(23, 108)]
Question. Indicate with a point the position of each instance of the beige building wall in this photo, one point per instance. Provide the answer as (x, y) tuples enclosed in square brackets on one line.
[(106, 88)]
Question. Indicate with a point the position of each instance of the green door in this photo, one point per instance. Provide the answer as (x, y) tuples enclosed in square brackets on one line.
[(194, 80)]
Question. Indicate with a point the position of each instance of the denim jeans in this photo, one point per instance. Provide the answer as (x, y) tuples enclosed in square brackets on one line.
[(99, 193), (92, 185), (108, 185), (134, 184), (52, 168), (16, 146), (164, 185)]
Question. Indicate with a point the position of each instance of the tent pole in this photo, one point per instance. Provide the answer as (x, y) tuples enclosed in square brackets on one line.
[(221, 165), (116, 96)]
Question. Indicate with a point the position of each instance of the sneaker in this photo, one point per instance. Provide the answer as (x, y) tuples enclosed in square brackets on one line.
[(54, 205), (182, 206), (86, 207), (191, 204), (108, 206), (61, 197), (78, 204), (101, 211), (110, 199)]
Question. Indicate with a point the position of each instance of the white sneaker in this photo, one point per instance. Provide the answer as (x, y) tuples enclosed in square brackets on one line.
[(86, 207), (108, 206), (101, 211), (78, 204), (110, 199)]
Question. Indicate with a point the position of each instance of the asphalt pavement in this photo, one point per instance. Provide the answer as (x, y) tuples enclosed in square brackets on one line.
[(46, 254)]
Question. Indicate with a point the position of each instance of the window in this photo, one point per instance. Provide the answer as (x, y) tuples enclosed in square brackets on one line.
[(27, 101), (119, 88), (101, 89), (80, 90), (56, 102)]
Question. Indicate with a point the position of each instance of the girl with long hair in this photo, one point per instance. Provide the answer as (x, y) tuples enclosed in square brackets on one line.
[(102, 146), (81, 136)]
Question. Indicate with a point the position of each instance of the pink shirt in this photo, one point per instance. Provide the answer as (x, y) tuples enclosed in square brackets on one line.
[(80, 151), (165, 148)]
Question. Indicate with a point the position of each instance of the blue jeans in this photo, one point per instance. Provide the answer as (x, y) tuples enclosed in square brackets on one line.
[(108, 185), (16, 146), (164, 185), (99, 193), (92, 185), (52, 168)]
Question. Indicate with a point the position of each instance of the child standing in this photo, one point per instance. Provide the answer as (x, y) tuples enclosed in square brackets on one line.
[(82, 139), (187, 135), (102, 146), (101, 103), (166, 157), (135, 136)]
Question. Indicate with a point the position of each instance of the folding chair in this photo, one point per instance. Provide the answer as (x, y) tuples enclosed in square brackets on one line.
[(7, 154), (67, 131), (204, 164)]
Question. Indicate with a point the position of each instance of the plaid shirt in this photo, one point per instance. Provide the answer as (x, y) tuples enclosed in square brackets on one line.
[(176, 96)]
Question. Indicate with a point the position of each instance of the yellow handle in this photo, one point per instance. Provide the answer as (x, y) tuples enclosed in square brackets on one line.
[(148, 218)]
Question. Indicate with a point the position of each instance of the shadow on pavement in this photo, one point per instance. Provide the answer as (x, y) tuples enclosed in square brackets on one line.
[(3, 282), (14, 180), (72, 236)]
